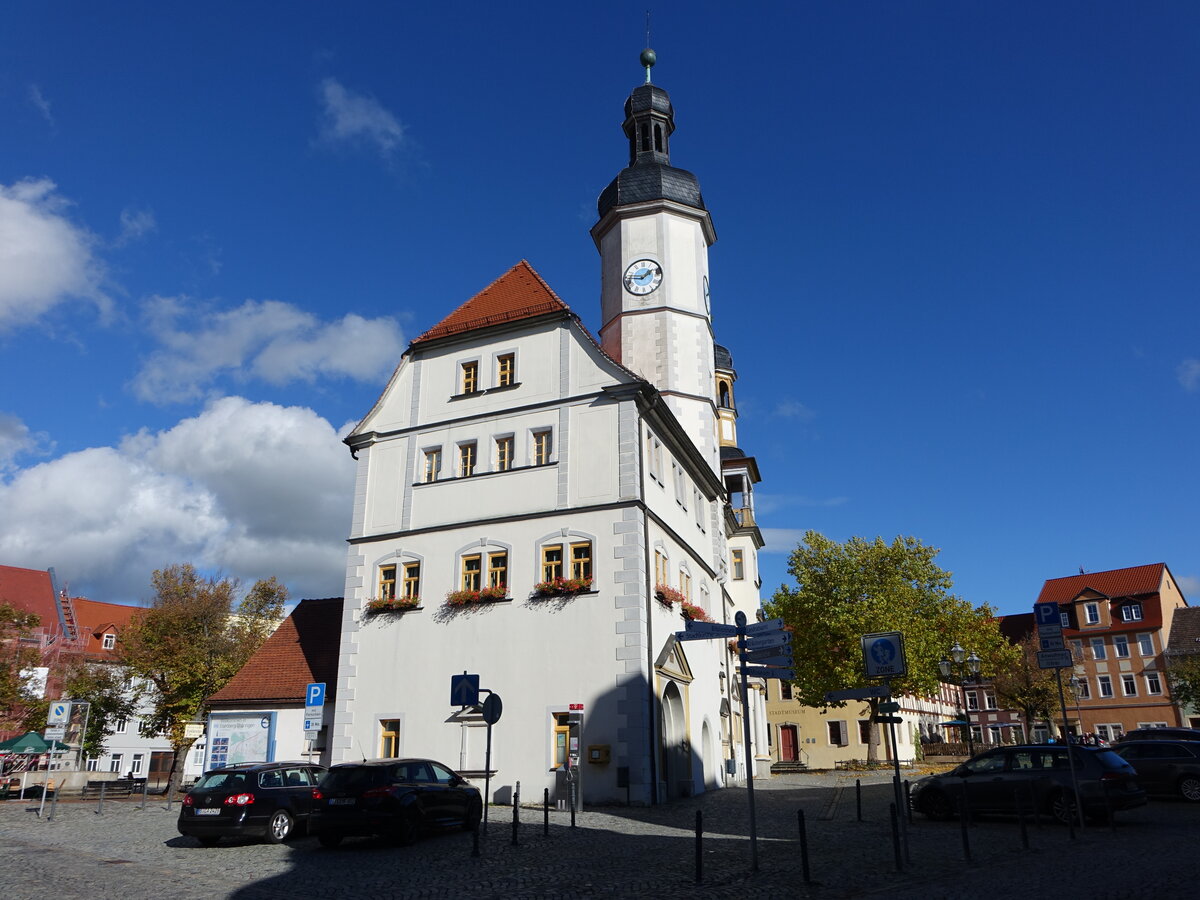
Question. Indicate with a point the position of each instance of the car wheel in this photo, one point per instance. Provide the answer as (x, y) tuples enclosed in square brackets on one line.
[(1062, 807), (936, 805), (1189, 788), (279, 828), (474, 815), (329, 840), (209, 840), (406, 829)]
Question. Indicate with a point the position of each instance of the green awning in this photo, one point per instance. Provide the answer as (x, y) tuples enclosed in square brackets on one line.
[(31, 744)]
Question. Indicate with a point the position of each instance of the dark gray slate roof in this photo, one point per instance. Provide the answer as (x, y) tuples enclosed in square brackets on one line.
[(1185, 630), (722, 358), (732, 453), (648, 96), (651, 181)]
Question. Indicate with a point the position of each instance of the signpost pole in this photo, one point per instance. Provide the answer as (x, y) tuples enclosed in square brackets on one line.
[(741, 624), (1062, 700)]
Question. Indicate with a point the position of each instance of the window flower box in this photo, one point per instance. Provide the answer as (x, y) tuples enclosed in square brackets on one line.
[(693, 612), (668, 596), (562, 587), (377, 605), (473, 598)]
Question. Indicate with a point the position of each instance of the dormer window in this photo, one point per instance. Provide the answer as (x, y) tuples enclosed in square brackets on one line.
[(1131, 612), (109, 641), (1091, 613)]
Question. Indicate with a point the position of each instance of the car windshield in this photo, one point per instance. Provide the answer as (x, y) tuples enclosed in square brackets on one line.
[(225, 781), (353, 778)]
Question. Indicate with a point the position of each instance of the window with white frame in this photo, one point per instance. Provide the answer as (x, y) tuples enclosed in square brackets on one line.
[(1104, 683), (1120, 646), (699, 507), (114, 762), (433, 464), (839, 735), (135, 765), (543, 447), (972, 700), (109, 641), (1083, 689), (1077, 648), (685, 585), (654, 455), (660, 567), (1064, 619), (1153, 684), (1128, 685), (1091, 613), (466, 459), (1098, 651), (1145, 644), (504, 453), (1108, 731), (989, 700), (739, 564), (1131, 612), (120, 726)]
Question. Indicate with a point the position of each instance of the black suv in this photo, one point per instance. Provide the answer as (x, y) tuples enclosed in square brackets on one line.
[(396, 798), (1028, 777), (1159, 734), (259, 799), (1165, 767)]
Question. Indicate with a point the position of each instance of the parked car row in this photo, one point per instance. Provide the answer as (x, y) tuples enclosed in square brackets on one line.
[(395, 798)]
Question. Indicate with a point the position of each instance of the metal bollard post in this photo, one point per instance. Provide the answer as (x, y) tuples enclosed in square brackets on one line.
[(908, 802), (571, 792), (100, 802), (546, 812), (53, 806), (516, 812), (858, 796), (145, 791), (895, 816), (963, 814), (699, 846), (803, 847)]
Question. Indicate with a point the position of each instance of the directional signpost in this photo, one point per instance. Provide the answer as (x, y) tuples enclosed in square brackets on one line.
[(465, 691), (768, 647)]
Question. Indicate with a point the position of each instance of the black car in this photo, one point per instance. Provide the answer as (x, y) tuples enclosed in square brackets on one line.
[(1029, 777), (396, 798), (1159, 734), (259, 799), (1165, 767)]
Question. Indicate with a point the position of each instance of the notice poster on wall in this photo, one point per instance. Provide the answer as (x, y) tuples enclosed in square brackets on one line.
[(240, 737)]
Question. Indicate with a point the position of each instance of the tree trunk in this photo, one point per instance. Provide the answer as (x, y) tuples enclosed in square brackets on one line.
[(175, 779)]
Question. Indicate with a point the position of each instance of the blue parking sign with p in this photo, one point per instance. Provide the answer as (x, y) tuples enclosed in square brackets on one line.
[(316, 694), (1046, 613)]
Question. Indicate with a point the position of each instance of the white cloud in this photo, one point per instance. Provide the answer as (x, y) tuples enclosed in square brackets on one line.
[(135, 224), (794, 409), (246, 489), (41, 103), (766, 503), (357, 119), (781, 540), (268, 340), (1188, 374), (45, 259), (16, 439)]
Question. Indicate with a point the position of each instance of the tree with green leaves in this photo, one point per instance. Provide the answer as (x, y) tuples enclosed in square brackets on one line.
[(846, 590), (106, 689), (191, 641), (1183, 678), (1024, 685), (18, 657)]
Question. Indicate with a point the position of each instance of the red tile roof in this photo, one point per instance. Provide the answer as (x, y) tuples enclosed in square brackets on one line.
[(1113, 583), (303, 649), (30, 590), (95, 619), (520, 293)]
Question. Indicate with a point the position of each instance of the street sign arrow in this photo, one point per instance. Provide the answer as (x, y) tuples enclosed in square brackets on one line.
[(770, 639), (711, 629), (764, 627), (764, 672), (760, 660), (464, 690), (698, 636), (875, 690)]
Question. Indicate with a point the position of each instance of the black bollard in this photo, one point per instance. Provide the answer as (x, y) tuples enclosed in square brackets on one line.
[(571, 793), (963, 814), (908, 802), (803, 847), (895, 816), (699, 846), (858, 796), (516, 812), (100, 802), (546, 812), (53, 805)]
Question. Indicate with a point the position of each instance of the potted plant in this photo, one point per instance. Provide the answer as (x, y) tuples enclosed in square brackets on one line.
[(562, 587), (668, 596), (488, 594), (376, 605), (692, 611)]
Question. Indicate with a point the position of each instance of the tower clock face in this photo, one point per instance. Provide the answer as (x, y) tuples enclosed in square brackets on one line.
[(642, 277)]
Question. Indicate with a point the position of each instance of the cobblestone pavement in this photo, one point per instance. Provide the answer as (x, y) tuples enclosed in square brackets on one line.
[(132, 854)]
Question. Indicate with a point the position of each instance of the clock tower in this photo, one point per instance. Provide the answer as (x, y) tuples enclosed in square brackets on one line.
[(653, 236)]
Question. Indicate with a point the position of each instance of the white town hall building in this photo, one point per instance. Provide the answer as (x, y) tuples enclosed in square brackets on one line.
[(542, 510)]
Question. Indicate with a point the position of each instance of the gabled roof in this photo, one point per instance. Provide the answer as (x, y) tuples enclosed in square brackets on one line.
[(520, 293), (95, 619), (31, 590), (303, 649), (1185, 630), (1113, 583)]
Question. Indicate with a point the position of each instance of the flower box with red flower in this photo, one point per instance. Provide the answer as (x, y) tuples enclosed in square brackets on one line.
[(377, 605), (489, 594), (562, 587), (668, 596)]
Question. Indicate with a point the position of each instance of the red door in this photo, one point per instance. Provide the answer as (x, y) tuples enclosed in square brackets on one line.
[(787, 743)]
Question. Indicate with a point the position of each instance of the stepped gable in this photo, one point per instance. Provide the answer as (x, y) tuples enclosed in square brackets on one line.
[(303, 649), (1113, 583), (520, 293)]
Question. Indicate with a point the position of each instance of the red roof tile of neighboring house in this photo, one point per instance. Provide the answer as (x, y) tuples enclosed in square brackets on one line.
[(96, 619), (32, 591), (303, 649), (1016, 627), (1113, 583), (520, 293)]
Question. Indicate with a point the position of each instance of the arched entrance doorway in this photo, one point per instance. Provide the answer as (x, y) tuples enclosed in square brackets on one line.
[(676, 754)]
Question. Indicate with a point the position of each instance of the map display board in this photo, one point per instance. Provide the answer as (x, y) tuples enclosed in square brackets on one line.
[(240, 737)]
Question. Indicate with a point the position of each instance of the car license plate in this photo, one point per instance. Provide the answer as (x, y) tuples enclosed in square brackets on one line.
[(341, 801), (209, 812)]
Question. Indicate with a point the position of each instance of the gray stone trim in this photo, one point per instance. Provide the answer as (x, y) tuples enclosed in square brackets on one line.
[(342, 730), (629, 449), (564, 456)]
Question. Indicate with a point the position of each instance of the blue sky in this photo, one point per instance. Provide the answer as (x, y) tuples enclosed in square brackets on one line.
[(957, 263)]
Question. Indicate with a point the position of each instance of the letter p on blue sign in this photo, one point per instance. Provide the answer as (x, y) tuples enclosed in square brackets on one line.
[(315, 695)]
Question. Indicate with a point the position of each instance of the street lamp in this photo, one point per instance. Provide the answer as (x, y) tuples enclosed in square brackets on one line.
[(962, 670)]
